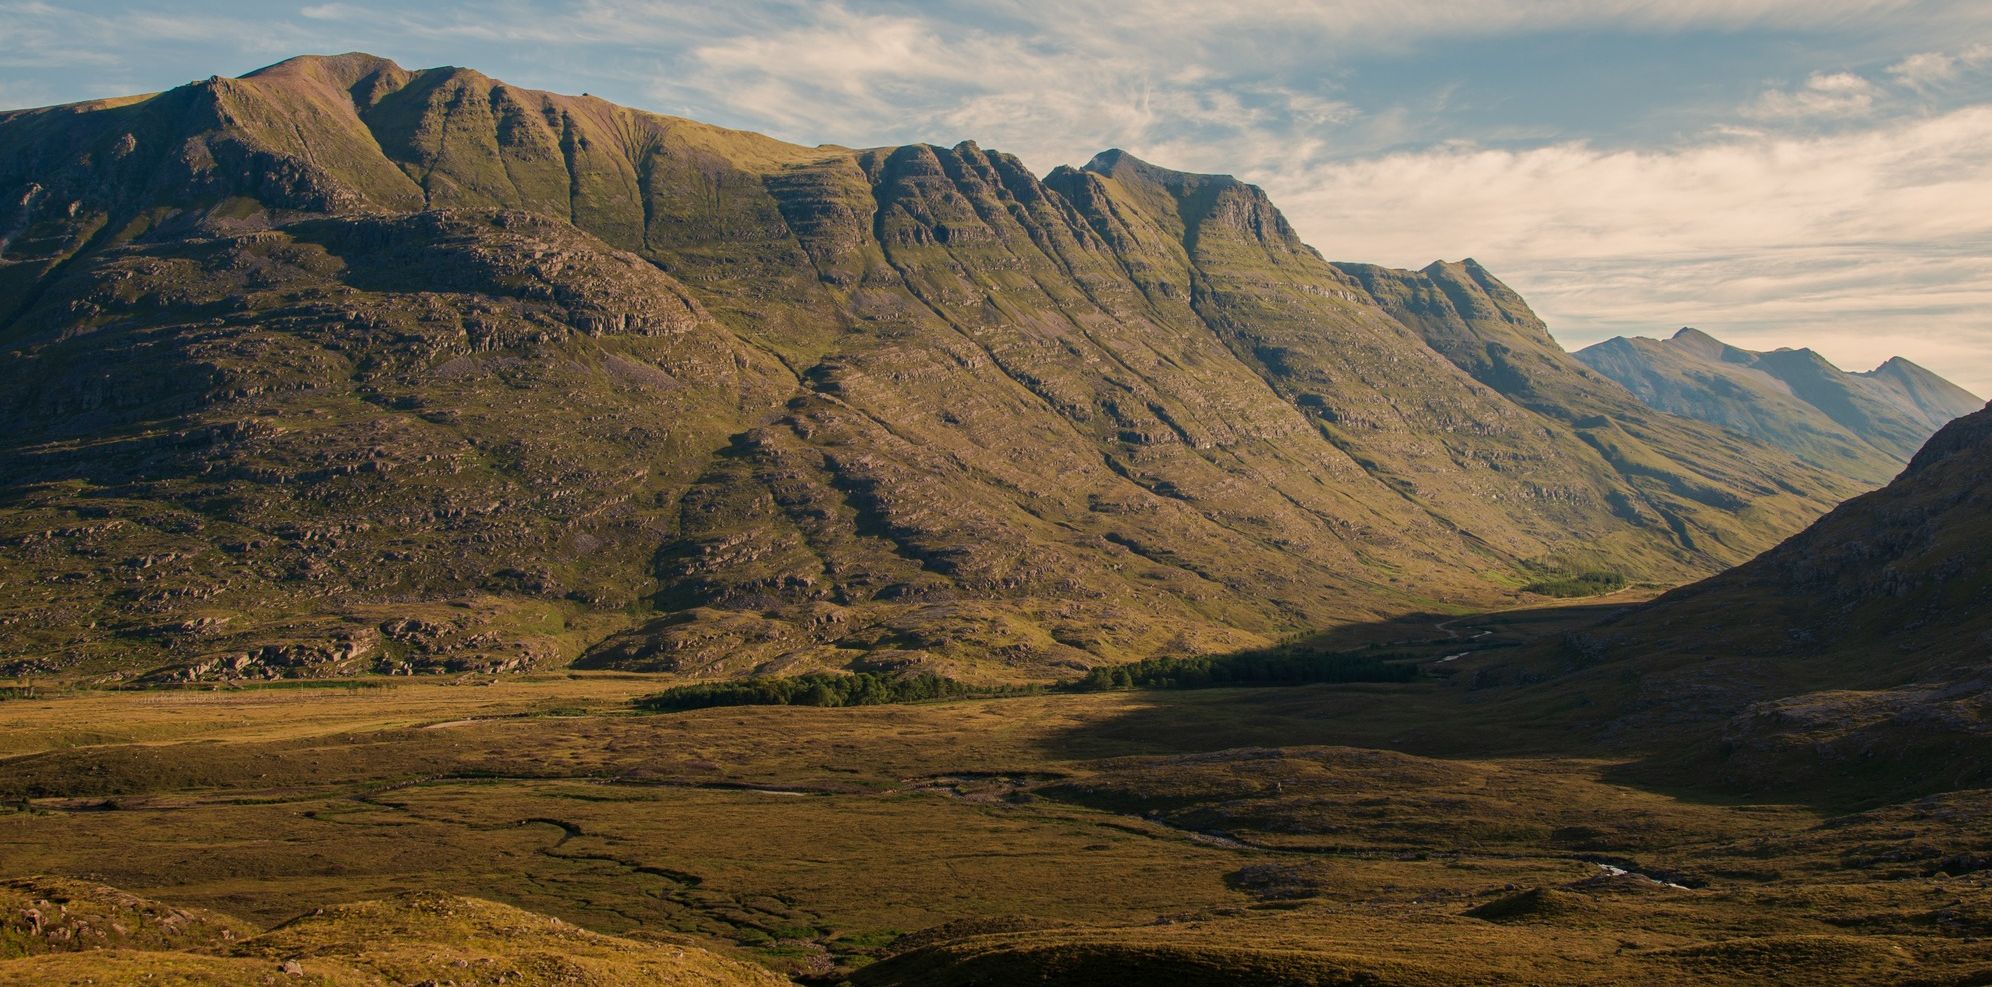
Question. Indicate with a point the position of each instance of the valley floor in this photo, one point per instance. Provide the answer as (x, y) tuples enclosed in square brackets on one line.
[(1248, 835)]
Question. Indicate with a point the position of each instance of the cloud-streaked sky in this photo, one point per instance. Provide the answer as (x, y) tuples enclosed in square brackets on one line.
[(1777, 172)]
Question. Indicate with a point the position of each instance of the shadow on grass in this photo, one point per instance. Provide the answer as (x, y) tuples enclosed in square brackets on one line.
[(1441, 713), (1520, 691)]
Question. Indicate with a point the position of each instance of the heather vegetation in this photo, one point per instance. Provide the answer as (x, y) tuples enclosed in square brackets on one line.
[(1216, 836), (818, 689), (1064, 579)]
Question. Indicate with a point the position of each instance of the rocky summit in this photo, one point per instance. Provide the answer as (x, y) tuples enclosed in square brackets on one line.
[(342, 368)]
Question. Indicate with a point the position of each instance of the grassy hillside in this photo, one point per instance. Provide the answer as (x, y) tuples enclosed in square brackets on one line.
[(1850, 661), (419, 937), (1717, 498), (343, 368)]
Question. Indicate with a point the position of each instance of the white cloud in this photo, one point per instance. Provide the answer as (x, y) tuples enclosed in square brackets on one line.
[(1928, 70), (1396, 21), (1834, 94), (1050, 96), (330, 12), (41, 35), (1863, 244)]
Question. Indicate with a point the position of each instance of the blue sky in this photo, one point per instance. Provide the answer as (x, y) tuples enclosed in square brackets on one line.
[(1777, 172)]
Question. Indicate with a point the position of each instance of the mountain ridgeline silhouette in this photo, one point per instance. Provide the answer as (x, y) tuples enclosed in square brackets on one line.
[(340, 367)]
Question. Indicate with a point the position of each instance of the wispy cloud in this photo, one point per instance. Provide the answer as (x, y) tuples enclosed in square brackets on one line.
[(1863, 243), (1928, 70), (1825, 94), (331, 12)]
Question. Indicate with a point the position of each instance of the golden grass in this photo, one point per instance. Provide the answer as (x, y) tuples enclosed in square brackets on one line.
[(1265, 830)]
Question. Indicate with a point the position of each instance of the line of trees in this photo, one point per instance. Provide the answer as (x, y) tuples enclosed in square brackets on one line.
[(820, 689), (1272, 666), (1580, 584)]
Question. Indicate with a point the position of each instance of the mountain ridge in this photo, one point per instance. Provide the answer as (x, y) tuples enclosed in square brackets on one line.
[(341, 367), (1867, 423)]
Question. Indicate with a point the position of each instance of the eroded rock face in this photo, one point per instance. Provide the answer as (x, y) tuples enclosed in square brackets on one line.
[(492, 378)]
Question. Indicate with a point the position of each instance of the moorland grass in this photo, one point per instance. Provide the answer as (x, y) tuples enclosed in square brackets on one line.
[(1266, 828)]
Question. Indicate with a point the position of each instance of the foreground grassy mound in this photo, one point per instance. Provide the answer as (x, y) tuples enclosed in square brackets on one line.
[(413, 938), (1118, 958), (125, 966), (428, 935), (56, 915), (1302, 952)]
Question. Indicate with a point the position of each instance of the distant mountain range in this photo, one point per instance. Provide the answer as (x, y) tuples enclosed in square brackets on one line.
[(1866, 425), (341, 367)]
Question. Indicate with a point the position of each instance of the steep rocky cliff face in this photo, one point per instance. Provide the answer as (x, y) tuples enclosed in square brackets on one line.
[(340, 367), (1866, 425)]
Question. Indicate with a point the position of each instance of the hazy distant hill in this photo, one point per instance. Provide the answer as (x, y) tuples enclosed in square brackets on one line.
[(1863, 424), (342, 367)]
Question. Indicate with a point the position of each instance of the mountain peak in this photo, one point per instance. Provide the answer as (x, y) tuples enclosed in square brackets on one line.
[(1109, 159), (1196, 206), (1119, 164), (346, 70), (1698, 342), (1909, 371), (1465, 267), (1900, 366)]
